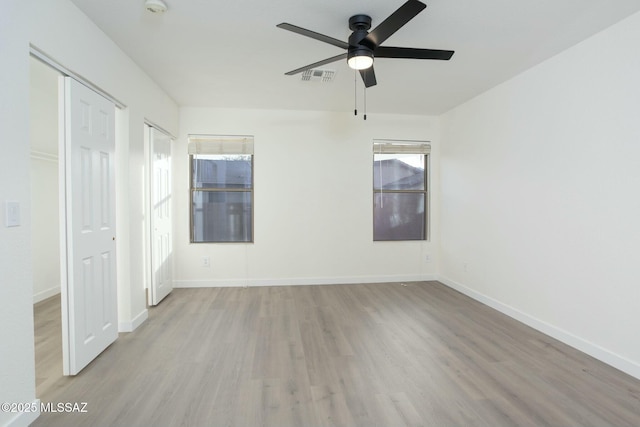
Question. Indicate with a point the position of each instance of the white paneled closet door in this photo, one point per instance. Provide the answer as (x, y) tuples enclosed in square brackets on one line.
[(89, 299), (160, 213)]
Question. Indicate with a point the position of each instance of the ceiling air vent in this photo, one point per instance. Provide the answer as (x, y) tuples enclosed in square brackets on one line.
[(318, 75)]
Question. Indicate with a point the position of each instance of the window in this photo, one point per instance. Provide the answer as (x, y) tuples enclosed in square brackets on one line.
[(221, 189), (400, 190)]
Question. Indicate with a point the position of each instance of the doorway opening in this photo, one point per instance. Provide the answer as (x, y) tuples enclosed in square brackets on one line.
[(73, 141), (45, 222)]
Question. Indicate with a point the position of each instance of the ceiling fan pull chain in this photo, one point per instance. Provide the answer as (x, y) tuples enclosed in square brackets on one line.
[(365, 102), (355, 93)]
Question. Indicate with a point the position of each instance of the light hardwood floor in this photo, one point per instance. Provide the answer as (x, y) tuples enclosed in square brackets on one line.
[(48, 343), (347, 355)]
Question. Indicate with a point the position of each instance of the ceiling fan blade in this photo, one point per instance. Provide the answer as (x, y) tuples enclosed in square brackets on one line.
[(313, 35), (393, 23), (317, 64), (368, 77), (411, 53)]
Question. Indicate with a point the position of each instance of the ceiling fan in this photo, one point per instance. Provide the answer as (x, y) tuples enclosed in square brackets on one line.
[(363, 46)]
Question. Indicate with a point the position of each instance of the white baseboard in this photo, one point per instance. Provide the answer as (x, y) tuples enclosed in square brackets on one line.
[(43, 295), (625, 365), (24, 419), (297, 281), (133, 324)]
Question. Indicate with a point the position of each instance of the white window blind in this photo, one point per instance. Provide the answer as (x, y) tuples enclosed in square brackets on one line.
[(386, 146), (220, 144)]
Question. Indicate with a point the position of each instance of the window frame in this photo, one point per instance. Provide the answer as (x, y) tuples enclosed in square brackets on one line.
[(404, 147), (193, 189)]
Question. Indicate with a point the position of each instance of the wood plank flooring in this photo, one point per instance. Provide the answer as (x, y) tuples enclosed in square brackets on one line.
[(48, 343), (418, 354)]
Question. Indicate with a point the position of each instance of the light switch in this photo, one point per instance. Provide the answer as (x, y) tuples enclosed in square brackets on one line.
[(12, 214)]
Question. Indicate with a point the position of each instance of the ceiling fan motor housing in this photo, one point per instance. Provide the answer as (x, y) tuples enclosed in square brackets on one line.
[(360, 22), (360, 25)]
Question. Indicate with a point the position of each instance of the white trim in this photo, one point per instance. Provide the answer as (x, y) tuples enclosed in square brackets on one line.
[(299, 281), (62, 209), (133, 325), (47, 293), (159, 128), (41, 155), (607, 356), (24, 419), (43, 57)]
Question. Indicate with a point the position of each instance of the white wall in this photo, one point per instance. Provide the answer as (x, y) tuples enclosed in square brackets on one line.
[(45, 226), (17, 378), (540, 196), (58, 28), (313, 201), (45, 218)]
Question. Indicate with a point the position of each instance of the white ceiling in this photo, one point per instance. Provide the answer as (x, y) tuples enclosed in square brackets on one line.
[(230, 53)]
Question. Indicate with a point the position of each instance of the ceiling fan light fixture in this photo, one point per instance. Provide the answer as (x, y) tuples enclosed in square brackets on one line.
[(360, 59)]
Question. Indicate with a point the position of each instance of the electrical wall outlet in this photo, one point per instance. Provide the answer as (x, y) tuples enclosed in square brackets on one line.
[(427, 258), (206, 261)]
